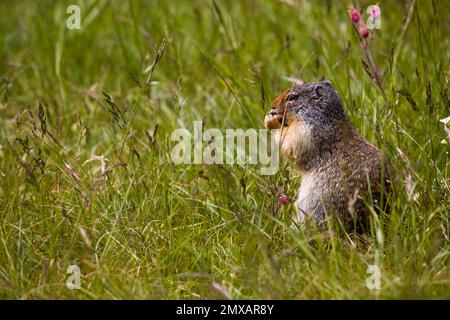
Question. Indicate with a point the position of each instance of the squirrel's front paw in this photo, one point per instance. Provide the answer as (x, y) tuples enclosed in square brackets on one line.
[(273, 121)]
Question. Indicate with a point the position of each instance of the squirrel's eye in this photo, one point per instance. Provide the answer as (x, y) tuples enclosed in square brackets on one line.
[(292, 97)]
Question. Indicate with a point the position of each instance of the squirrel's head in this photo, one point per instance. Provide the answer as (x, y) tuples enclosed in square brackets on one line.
[(313, 103), (306, 117)]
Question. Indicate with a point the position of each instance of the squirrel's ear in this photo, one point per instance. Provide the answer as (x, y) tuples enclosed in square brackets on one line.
[(319, 92)]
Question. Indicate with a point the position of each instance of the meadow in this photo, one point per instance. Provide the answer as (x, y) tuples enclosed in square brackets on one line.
[(86, 178)]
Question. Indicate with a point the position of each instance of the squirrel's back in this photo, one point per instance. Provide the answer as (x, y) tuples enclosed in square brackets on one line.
[(344, 184)]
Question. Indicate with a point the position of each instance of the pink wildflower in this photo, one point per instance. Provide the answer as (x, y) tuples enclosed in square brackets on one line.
[(354, 15), (284, 199), (363, 31)]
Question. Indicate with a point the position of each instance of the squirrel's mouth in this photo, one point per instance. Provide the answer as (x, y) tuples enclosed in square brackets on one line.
[(274, 120)]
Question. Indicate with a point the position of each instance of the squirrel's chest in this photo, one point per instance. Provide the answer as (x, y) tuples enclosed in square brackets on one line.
[(308, 196)]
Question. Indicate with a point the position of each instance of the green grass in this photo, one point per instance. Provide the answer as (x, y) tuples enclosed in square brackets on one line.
[(151, 229)]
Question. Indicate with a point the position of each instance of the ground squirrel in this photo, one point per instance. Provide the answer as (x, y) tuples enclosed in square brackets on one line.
[(341, 172)]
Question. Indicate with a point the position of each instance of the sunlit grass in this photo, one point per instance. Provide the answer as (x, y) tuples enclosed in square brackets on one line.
[(146, 228)]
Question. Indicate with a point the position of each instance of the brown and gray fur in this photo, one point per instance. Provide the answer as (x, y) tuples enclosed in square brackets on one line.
[(341, 172)]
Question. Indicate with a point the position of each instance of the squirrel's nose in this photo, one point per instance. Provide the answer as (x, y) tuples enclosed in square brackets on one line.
[(272, 113)]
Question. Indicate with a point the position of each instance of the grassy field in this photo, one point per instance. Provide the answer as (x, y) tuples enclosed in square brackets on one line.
[(144, 228)]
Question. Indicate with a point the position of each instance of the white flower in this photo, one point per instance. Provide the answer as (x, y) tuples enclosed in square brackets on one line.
[(445, 120)]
